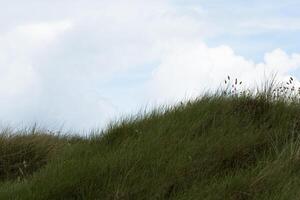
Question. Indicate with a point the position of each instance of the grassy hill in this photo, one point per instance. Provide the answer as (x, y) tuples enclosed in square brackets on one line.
[(215, 147)]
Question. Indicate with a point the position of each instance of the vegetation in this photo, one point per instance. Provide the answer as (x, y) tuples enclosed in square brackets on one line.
[(228, 145)]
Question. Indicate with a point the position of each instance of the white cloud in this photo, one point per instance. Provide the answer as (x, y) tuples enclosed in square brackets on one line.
[(62, 63), (18, 48), (42, 33), (189, 68), (60, 67), (20, 81)]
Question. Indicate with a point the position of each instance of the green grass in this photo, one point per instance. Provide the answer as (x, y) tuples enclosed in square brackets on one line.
[(215, 147)]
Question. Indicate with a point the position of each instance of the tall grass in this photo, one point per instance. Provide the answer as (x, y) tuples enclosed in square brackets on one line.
[(241, 145)]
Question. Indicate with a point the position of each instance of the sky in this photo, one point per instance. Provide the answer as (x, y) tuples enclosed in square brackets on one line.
[(82, 64)]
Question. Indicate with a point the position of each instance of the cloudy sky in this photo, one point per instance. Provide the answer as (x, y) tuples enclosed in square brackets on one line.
[(79, 64)]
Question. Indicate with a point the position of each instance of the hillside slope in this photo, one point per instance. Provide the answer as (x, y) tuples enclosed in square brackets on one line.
[(212, 148)]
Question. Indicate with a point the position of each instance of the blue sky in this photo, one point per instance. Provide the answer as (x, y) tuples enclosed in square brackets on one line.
[(79, 64)]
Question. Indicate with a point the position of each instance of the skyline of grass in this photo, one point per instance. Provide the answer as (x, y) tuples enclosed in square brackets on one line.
[(218, 146)]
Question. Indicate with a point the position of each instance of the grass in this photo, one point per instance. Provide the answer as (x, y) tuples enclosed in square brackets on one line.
[(218, 146)]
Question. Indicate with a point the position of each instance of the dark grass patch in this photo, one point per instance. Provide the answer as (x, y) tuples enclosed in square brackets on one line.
[(216, 147)]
